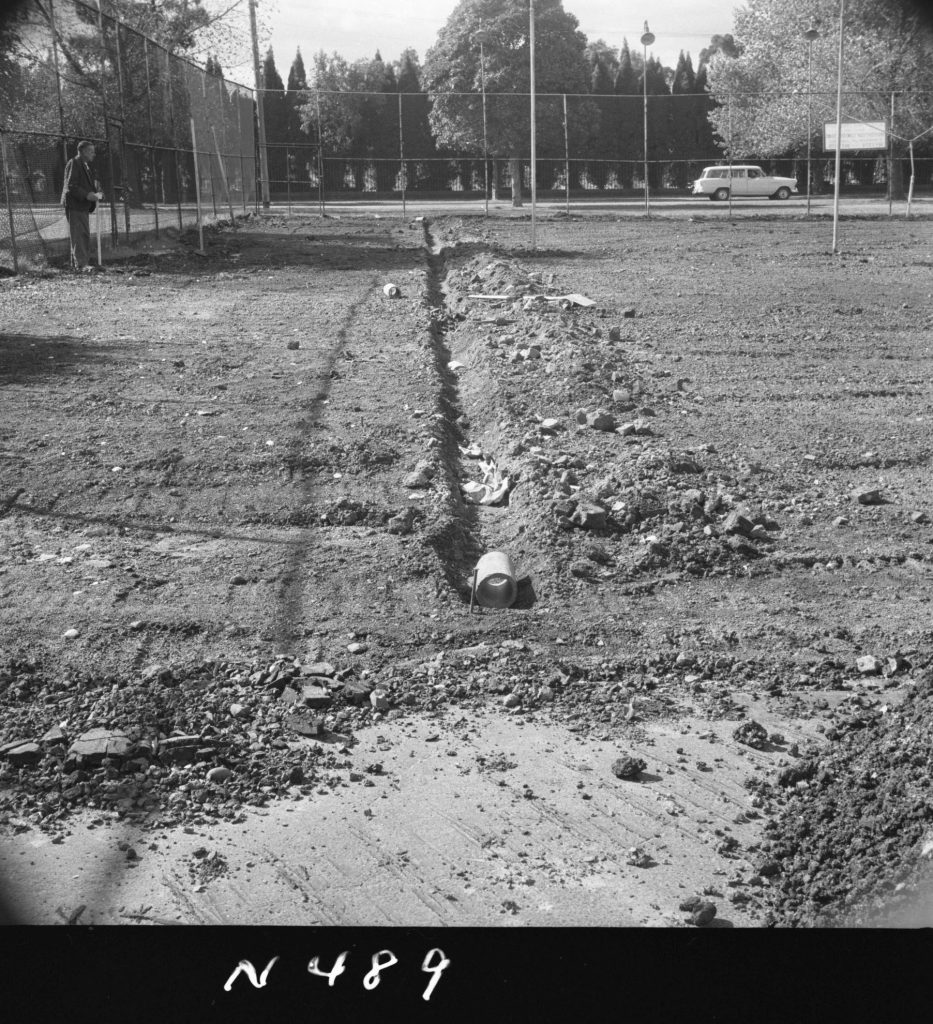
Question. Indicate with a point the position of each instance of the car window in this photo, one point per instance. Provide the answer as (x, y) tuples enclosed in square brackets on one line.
[(738, 172), (753, 172)]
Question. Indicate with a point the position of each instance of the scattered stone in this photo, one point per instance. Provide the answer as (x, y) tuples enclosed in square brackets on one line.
[(292, 344), (703, 914), (736, 523), (402, 523), (24, 754), (356, 647), (751, 734), (892, 666), (637, 858), (628, 767), (315, 696), (71, 634), (840, 521), (96, 744), (238, 580), (420, 477), (304, 725), (237, 710), (868, 664), (628, 313), (219, 774), (869, 496), (54, 736), (919, 517), (511, 700), (379, 700), (317, 668), (601, 420), (589, 516), (615, 334), (357, 691)]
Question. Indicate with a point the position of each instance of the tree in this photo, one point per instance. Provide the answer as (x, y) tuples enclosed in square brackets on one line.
[(452, 69), (628, 116), (294, 93), (683, 114), (275, 115), (602, 65), (888, 49)]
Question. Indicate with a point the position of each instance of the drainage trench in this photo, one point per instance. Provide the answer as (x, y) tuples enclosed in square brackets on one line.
[(456, 537)]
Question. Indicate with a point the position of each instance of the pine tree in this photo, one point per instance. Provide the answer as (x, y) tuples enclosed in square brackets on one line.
[(295, 97), (682, 118), (274, 114), (628, 115)]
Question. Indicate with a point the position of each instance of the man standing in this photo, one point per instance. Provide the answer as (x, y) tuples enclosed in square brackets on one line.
[(80, 196)]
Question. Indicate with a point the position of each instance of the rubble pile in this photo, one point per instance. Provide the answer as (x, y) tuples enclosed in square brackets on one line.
[(851, 833)]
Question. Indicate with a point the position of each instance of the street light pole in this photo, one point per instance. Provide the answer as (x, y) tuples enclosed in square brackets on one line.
[(534, 175), (482, 37), (260, 115), (810, 34), (646, 40)]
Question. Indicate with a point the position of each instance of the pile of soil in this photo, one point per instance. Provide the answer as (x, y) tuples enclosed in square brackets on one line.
[(851, 839)]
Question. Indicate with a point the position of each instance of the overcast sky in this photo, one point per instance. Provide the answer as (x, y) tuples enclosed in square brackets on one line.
[(357, 28)]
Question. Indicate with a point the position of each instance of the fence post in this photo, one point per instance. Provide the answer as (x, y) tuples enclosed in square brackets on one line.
[(401, 152), (152, 163), (288, 182), (320, 153), (223, 176), (566, 154), (197, 188), (103, 100), (7, 183), (58, 80), (126, 198)]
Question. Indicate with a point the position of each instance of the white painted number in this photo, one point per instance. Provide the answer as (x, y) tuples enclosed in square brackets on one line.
[(372, 978), (437, 970), (245, 967), (334, 973)]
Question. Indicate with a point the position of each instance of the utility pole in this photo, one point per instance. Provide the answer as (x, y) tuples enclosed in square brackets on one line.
[(257, 71)]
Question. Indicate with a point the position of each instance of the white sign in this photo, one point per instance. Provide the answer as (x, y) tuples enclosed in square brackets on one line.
[(856, 135)]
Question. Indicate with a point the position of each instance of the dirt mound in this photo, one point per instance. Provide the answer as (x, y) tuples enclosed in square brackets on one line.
[(852, 842)]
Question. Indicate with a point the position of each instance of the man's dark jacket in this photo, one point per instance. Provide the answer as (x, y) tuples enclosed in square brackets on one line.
[(78, 183)]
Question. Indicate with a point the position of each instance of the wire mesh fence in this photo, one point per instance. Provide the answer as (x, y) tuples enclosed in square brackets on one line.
[(160, 125), (177, 143)]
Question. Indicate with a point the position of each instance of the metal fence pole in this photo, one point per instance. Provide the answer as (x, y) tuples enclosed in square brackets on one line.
[(171, 116), (126, 195), (401, 152), (320, 153), (103, 100), (197, 188), (891, 160), (223, 177), (58, 80), (7, 188), (288, 182), (152, 161), (566, 154)]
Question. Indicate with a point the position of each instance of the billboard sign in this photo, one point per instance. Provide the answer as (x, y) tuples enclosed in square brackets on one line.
[(856, 135)]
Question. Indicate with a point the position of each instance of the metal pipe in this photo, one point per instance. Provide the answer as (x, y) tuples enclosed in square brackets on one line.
[(482, 78), (842, 14), (401, 151), (103, 100), (646, 40), (810, 34), (197, 187), (260, 115), (119, 50), (566, 156), (320, 154), (534, 151), (152, 163)]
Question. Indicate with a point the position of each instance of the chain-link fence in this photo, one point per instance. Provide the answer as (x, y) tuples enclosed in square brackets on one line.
[(172, 138)]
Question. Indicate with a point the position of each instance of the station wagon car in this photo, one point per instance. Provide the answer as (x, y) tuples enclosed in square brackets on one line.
[(742, 181)]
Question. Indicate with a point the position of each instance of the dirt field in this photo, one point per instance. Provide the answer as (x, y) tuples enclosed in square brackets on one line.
[(233, 526)]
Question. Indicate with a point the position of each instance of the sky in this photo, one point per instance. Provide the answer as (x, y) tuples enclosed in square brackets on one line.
[(357, 28)]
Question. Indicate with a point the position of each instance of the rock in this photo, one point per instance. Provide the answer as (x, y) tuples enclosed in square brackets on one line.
[(155, 673), (357, 691), (401, 524), (550, 425), (317, 668), (737, 523), (589, 516), (751, 734), (219, 774), (304, 725), (628, 767), (292, 345), (420, 477), (893, 665), (703, 915), (840, 521), (238, 580), (24, 754), (769, 868), (289, 696), (70, 634), (629, 314), (615, 334), (869, 496), (237, 710), (685, 465), (356, 647), (96, 744), (601, 420), (919, 517), (690, 904), (868, 664), (637, 858), (315, 696), (54, 736), (511, 700), (379, 700)]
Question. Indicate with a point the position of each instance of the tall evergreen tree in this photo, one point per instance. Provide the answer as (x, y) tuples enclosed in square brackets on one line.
[(418, 138), (274, 113), (683, 113), (602, 64), (628, 121), (295, 96)]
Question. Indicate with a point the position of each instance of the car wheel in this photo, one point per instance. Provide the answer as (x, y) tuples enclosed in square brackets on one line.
[(782, 193), (722, 194)]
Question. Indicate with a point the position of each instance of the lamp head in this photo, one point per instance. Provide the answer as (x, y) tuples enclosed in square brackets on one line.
[(648, 37), (811, 34)]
